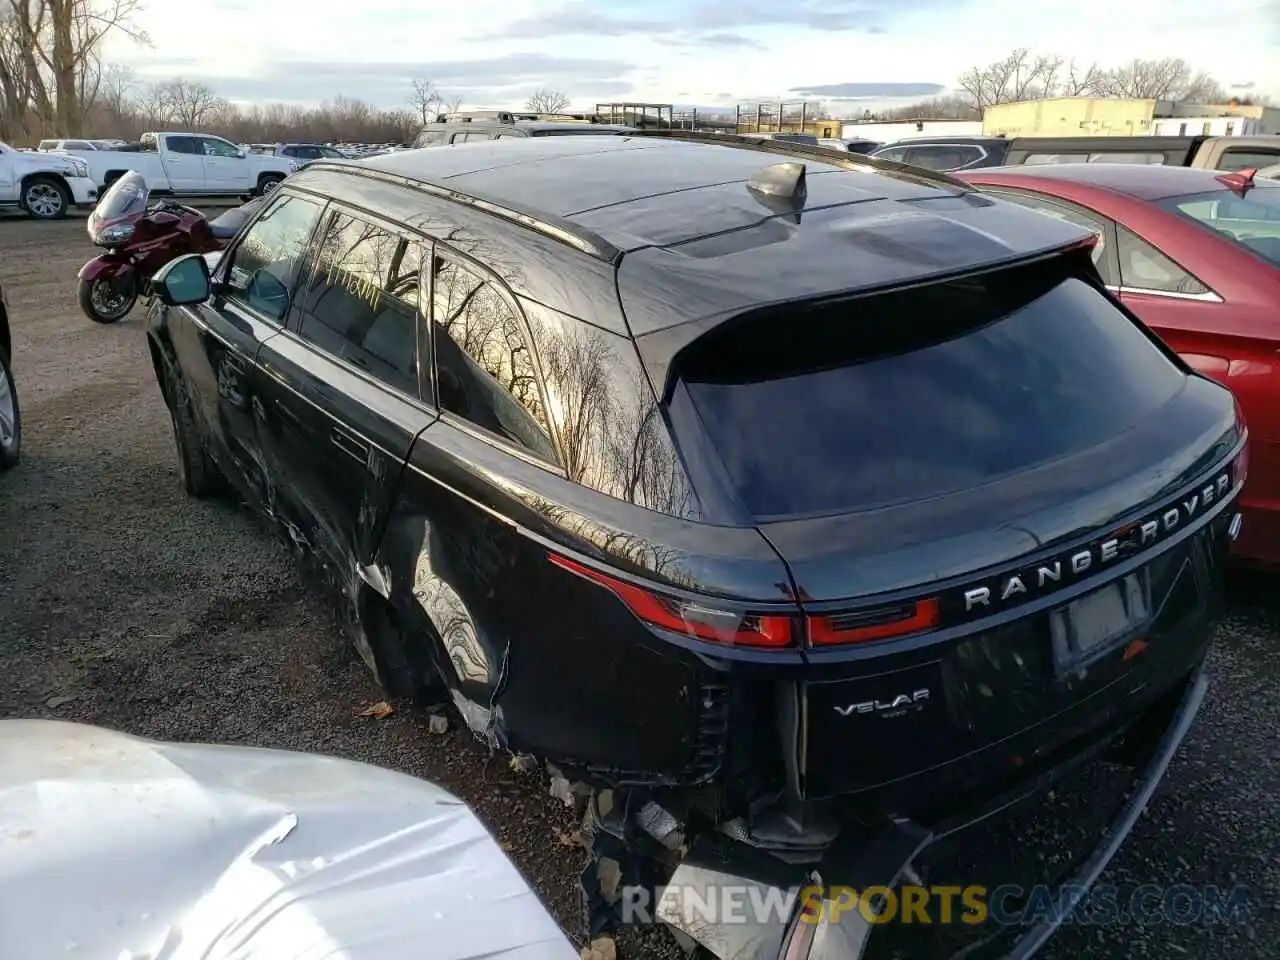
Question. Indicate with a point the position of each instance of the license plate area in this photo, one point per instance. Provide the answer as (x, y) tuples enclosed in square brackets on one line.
[(1095, 624)]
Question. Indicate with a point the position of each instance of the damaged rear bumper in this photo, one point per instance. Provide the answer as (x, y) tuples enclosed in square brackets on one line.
[(886, 862)]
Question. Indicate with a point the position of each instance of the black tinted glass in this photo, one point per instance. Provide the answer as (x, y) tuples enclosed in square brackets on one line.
[(913, 395), (362, 302), (484, 368), (264, 265)]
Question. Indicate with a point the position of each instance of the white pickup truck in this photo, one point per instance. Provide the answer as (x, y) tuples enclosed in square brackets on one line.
[(44, 185), (188, 165)]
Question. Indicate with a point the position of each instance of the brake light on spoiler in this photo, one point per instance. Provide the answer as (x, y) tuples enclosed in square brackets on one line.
[(704, 620)]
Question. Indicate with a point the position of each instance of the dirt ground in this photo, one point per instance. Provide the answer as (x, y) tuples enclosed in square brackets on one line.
[(123, 603)]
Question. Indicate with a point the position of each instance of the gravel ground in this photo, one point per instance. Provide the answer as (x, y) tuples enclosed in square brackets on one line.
[(123, 603)]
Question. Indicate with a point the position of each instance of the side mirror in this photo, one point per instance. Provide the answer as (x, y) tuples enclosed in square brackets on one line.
[(241, 154), (182, 281)]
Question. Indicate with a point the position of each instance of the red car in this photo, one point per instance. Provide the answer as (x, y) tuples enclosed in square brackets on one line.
[(1195, 254)]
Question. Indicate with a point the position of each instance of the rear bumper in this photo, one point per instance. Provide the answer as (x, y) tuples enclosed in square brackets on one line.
[(887, 862)]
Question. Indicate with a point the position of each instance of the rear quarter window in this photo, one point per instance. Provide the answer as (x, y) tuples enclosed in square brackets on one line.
[(912, 395)]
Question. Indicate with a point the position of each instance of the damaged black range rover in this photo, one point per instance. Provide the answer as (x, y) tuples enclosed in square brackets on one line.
[(802, 508)]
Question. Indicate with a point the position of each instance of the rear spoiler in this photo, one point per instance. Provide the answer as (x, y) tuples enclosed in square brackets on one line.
[(662, 351)]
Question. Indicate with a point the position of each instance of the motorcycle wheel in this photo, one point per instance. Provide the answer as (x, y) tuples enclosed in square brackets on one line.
[(103, 302)]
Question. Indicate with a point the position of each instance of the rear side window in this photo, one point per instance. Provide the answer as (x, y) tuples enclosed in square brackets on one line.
[(1143, 267), (362, 302), (485, 371), (912, 395)]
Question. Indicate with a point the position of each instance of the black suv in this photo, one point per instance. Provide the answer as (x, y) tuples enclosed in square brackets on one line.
[(947, 153), (308, 151), (501, 125), (810, 506)]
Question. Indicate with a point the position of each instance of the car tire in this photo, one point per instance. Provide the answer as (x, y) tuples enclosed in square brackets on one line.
[(10, 416), (199, 474), (45, 198), (268, 182)]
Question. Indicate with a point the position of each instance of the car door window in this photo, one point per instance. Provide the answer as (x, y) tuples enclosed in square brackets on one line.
[(264, 266), (1149, 159), (896, 154), (361, 303), (1039, 158), (183, 145), (1143, 267), (218, 148), (942, 156), (1242, 158), (485, 370)]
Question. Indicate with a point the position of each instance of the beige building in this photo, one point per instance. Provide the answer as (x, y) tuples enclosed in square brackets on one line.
[(1092, 116)]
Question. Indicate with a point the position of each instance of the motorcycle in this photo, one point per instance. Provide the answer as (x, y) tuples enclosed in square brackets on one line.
[(139, 240)]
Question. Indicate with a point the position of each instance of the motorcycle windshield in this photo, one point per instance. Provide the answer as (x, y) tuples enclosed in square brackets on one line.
[(126, 200)]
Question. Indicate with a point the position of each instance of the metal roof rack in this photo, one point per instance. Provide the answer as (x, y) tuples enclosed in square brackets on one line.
[(812, 151), (502, 116), (564, 231)]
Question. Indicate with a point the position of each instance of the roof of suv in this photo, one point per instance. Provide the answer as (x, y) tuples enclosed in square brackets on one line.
[(681, 211)]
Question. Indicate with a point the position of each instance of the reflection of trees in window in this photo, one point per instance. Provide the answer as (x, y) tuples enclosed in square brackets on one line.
[(471, 312), (356, 256), (614, 439)]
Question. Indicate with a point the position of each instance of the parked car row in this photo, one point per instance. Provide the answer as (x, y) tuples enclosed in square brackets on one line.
[(606, 414), (950, 154)]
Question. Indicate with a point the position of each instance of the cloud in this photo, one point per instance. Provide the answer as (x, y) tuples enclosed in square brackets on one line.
[(725, 41), (508, 78), (586, 18), (869, 91)]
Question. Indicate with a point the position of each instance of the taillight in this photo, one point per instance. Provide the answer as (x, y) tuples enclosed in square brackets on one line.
[(883, 623), (700, 619)]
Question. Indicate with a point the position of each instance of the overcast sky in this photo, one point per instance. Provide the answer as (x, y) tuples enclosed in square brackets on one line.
[(708, 52)]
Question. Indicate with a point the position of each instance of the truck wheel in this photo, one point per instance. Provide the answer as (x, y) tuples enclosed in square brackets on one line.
[(268, 182), (10, 416), (44, 198)]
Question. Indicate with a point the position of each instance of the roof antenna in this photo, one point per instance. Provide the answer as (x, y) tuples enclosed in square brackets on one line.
[(780, 186)]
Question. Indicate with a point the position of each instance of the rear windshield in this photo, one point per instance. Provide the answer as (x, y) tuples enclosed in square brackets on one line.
[(905, 396), (1251, 221)]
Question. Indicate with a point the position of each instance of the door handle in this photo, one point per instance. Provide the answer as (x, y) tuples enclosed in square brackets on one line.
[(351, 445)]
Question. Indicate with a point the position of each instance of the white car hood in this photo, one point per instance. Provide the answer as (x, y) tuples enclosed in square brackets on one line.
[(121, 848)]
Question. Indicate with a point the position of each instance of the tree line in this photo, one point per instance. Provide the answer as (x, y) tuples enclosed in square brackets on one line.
[(1025, 75)]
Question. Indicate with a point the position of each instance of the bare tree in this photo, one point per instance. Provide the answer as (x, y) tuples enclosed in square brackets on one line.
[(190, 103), (153, 105), (1017, 77), (1081, 82), (1169, 79), (544, 100), (938, 108), (425, 100), (77, 31), (1022, 76)]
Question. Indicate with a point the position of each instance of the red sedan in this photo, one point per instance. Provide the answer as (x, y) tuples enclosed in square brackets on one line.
[(1195, 254)]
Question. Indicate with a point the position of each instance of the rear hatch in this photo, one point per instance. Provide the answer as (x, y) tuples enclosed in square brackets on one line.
[(992, 495)]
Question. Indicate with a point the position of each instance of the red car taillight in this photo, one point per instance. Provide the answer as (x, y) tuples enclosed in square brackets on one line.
[(704, 620), (883, 623), (696, 619)]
